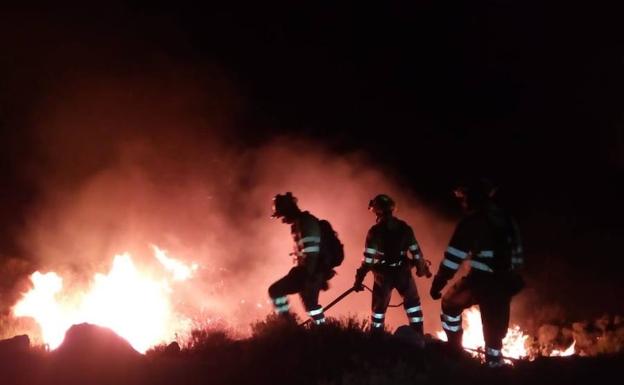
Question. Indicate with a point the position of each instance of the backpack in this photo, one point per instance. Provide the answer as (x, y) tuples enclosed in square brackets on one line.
[(332, 250)]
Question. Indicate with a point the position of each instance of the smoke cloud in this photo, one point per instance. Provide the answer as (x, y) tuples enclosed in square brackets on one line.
[(126, 163), (129, 140), (123, 164), (127, 147)]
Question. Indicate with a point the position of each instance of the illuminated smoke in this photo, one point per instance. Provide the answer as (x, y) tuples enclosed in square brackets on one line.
[(117, 179)]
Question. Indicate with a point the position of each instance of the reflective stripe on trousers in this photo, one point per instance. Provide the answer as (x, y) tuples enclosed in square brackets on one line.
[(377, 320), (451, 323)]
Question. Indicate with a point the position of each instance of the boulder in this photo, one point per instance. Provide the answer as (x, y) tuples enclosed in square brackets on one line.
[(90, 342), (19, 343)]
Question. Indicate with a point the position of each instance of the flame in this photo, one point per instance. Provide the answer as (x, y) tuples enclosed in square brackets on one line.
[(473, 333), (40, 304), (514, 343), (564, 353), (135, 305), (181, 271)]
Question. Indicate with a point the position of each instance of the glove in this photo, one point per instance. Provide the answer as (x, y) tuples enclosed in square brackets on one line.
[(422, 268), (360, 274), (436, 287)]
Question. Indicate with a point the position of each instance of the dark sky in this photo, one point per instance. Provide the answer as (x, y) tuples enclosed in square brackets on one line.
[(527, 92)]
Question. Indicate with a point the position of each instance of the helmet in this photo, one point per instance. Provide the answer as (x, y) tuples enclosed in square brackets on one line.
[(381, 204), (476, 191), (284, 205)]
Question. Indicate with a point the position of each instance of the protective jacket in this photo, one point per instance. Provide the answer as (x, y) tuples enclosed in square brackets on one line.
[(490, 242), (306, 234), (307, 278), (385, 253)]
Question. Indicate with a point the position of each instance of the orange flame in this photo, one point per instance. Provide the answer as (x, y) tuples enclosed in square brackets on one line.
[(570, 351), (514, 343), (181, 271), (40, 304), (135, 305)]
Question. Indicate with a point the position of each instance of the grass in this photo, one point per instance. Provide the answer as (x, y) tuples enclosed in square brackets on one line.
[(281, 352)]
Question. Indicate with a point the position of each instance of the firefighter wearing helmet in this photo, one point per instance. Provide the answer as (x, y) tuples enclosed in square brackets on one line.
[(309, 276), (386, 254), (488, 238)]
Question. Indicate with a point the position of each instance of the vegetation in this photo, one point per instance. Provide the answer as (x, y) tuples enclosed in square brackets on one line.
[(281, 352)]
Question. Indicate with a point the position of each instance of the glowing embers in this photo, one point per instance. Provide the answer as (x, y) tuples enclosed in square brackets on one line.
[(135, 304)]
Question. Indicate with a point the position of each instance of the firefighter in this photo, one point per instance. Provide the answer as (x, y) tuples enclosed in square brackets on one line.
[(488, 237), (386, 254), (310, 275)]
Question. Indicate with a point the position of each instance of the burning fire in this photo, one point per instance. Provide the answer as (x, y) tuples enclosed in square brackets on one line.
[(515, 343), (180, 271), (134, 304), (564, 353)]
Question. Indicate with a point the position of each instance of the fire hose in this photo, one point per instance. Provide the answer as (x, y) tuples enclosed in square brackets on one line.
[(332, 303), (340, 298), (352, 289)]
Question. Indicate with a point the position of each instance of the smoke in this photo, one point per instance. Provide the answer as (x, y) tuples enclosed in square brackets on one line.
[(122, 164), (129, 139), (604, 335), (127, 147), (338, 188)]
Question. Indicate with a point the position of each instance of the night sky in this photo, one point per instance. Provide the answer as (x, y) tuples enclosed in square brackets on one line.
[(526, 92)]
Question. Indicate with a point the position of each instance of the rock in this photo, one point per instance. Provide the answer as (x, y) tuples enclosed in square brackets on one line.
[(172, 348), (19, 343), (93, 355), (91, 342)]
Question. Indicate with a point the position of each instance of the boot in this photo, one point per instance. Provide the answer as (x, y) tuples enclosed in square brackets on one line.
[(417, 327)]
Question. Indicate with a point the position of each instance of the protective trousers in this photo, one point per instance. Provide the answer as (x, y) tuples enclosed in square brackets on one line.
[(400, 278), (494, 305), (299, 281)]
